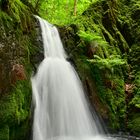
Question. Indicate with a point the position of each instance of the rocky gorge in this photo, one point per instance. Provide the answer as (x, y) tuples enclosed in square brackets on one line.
[(103, 45)]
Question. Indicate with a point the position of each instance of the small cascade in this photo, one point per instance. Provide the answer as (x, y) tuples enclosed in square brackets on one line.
[(61, 110)]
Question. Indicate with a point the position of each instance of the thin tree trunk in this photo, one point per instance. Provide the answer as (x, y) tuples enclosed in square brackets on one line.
[(75, 7), (67, 5)]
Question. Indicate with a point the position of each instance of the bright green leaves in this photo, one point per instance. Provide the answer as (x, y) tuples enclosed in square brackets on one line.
[(16, 13), (92, 36), (62, 11), (87, 36), (109, 63)]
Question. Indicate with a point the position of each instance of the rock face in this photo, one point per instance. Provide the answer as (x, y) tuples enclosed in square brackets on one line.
[(20, 53), (104, 49), (17, 73)]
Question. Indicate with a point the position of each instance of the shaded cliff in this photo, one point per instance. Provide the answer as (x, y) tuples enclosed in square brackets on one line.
[(19, 56), (103, 44)]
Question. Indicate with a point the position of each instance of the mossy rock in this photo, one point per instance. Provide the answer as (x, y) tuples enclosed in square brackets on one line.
[(107, 50), (134, 124), (20, 45), (4, 133)]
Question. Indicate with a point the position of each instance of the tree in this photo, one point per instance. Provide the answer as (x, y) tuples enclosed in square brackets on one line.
[(75, 7)]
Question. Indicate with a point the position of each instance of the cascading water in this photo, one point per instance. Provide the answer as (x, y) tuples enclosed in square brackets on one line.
[(61, 110)]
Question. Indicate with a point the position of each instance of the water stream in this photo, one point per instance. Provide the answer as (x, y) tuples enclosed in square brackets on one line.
[(61, 110)]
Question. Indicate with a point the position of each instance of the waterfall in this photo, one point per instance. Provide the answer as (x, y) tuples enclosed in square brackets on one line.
[(61, 110)]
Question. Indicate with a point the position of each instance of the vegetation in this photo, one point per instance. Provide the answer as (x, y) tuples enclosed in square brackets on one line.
[(105, 52), (63, 12), (102, 40), (17, 42)]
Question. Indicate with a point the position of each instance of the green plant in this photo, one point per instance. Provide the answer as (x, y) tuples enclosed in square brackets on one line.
[(108, 63)]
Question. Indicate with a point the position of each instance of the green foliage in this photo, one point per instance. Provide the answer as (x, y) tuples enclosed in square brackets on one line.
[(22, 99), (96, 75), (106, 27), (22, 96), (62, 11), (88, 36), (5, 20), (16, 24), (17, 9), (4, 133), (136, 100), (15, 109), (110, 85), (134, 124), (108, 63), (98, 41), (134, 56), (16, 13), (15, 106)]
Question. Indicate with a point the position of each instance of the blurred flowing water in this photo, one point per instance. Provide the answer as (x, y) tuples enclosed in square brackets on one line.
[(61, 110)]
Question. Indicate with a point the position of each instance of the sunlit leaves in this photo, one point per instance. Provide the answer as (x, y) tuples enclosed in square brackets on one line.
[(62, 11), (108, 63)]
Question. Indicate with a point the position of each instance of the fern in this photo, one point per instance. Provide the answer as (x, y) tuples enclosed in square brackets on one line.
[(88, 36), (109, 63)]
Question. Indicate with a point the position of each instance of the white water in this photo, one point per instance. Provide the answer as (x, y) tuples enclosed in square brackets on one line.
[(61, 110)]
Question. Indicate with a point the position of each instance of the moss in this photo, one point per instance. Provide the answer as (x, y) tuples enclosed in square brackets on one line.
[(122, 42), (19, 40), (105, 35), (134, 56), (15, 109), (6, 20), (4, 132), (136, 92), (22, 99), (113, 61), (134, 124), (98, 43), (110, 85)]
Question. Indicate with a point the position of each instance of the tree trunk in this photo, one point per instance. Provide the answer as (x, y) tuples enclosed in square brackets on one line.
[(75, 7)]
